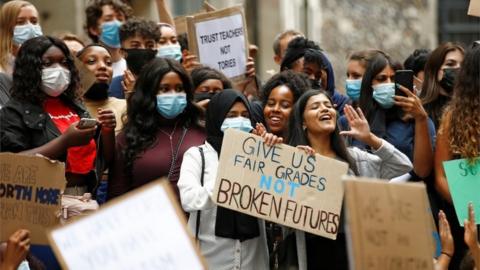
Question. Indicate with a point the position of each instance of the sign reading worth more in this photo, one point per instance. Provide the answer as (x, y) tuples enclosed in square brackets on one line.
[(30, 188), (464, 185), (388, 225), (220, 40), (143, 229), (280, 184)]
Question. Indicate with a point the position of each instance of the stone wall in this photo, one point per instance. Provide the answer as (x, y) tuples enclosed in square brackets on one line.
[(395, 26)]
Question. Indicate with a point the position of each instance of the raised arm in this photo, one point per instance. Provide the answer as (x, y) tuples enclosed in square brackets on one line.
[(423, 150), (442, 153)]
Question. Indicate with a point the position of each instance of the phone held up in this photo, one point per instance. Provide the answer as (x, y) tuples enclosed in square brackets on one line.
[(86, 123), (404, 78)]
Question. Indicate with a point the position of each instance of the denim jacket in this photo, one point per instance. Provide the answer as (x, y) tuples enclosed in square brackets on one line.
[(24, 126)]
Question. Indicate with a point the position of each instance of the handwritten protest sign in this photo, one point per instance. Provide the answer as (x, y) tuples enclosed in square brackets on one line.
[(219, 39), (144, 229), (464, 185), (30, 188), (474, 8), (388, 225), (280, 183)]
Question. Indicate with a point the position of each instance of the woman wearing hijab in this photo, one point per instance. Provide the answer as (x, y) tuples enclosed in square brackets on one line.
[(221, 232)]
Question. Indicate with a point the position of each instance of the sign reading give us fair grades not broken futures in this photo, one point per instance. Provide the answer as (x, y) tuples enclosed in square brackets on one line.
[(280, 183)]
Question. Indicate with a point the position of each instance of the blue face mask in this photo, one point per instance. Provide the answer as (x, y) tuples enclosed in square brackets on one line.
[(171, 105), (383, 94), (240, 123), (353, 88), (22, 33), (110, 33), (170, 51)]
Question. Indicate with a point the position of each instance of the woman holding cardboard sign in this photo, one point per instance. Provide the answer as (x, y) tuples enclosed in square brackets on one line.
[(459, 137), (313, 127), (221, 232)]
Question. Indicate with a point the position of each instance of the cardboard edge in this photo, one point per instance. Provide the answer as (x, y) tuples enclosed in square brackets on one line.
[(158, 182)]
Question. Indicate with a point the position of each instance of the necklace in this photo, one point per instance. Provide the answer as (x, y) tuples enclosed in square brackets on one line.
[(170, 137), (174, 154)]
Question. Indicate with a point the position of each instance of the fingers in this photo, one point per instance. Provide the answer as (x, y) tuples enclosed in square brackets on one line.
[(261, 128), (405, 90), (347, 133), (348, 113), (203, 103), (360, 113), (352, 114), (308, 150), (471, 213), (444, 226), (20, 235)]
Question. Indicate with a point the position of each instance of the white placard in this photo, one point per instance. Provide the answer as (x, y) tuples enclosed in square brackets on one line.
[(221, 44), (141, 231)]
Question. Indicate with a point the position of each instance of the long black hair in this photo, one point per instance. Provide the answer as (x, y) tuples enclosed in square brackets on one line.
[(297, 134), (27, 74), (143, 121), (377, 116), (366, 102)]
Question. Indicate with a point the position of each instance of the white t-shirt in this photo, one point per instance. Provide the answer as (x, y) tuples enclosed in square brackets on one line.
[(119, 67)]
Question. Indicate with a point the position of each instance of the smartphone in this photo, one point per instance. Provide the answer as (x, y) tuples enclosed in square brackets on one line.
[(86, 123), (404, 78)]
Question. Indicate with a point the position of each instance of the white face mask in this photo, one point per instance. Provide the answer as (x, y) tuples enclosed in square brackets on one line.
[(23, 265), (55, 80)]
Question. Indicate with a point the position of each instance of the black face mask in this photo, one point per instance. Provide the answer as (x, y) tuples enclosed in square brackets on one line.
[(202, 96), (137, 58), (316, 84), (449, 77), (98, 91)]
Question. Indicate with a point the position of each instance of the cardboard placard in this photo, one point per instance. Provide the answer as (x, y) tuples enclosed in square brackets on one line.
[(388, 225), (143, 229), (87, 78), (474, 8), (219, 39), (180, 25), (464, 185), (181, 21), (30, 188), (280, 183)]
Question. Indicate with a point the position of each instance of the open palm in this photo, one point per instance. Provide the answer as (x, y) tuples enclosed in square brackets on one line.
[(359, 128)]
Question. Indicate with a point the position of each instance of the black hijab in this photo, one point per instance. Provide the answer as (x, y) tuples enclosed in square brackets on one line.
[(228, 223)]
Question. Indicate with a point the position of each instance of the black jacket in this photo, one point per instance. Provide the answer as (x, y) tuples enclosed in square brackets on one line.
[(24, 126)]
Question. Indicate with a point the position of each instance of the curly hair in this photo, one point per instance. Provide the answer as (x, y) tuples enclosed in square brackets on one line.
[(27, 75), (296, 82), (94, 12), (136, 26), (203, 73), (461, 118), (143, 121)]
